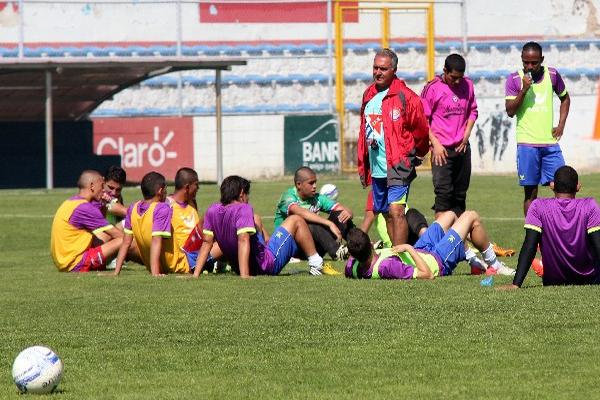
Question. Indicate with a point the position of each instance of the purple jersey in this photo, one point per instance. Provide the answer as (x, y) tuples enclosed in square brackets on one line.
[(564, 225), (513, 83), (390, 268), (161, 220), (448, 108), (88, 216), (225, 223)]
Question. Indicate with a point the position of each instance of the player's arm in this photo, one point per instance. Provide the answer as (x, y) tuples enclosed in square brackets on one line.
[(526, 256), (438, 151), (122, 254), (345, 213), (207, 243), (315, 218), (565, 105), (423, 271), (594, 239), (512, 104), (109, 234), (155, 250), (117, 209), (244, 254), (462, 147)]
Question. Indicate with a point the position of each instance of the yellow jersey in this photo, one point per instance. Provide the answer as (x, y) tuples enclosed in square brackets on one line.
[(73, 228)]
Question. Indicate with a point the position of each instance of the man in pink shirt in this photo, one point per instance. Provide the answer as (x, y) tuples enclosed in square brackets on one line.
[(451, 110)]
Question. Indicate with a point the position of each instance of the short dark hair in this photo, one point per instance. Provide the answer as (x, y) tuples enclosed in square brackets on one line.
[(359, 244), (232, 187), (115, 173), (455, 62), (535, 46), (389, 53), (565, 180), (151, 183), (185, 176), (301, 174)]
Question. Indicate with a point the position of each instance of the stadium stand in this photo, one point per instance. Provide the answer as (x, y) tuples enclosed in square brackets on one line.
[(301, 85)]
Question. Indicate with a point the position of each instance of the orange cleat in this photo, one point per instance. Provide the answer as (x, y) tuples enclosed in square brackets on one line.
[(502, 252), (538, 267)]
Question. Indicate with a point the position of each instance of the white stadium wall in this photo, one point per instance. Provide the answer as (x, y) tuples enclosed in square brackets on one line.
[(252, 146), (105, 21)]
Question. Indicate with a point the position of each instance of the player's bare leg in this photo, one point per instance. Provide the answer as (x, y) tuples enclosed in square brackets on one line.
[(367, 221), (399, 233), (299, 230), (470, 223), (531, 193)]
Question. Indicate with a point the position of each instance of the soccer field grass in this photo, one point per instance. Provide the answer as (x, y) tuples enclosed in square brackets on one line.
[(296, 336)]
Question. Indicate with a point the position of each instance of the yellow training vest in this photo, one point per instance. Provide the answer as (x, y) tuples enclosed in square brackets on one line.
[(68, 243)]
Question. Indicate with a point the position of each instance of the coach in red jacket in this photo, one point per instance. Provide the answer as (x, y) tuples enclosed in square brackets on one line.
[(393, 134)]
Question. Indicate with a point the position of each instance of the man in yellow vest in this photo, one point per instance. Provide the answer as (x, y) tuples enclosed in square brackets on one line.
[(82, 239), (529, 94)]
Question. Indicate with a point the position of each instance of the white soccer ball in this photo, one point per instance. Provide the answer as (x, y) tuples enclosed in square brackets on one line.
[(37, 370), (329, 190)]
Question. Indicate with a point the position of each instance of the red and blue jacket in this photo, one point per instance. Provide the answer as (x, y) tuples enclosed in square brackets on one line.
[(406, 133)]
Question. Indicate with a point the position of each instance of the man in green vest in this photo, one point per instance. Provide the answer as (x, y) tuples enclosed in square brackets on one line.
[(529, 95)]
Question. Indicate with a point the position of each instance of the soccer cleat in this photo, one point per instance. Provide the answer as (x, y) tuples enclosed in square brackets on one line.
[(502, 252), (329, 270), (501, 270), (342, 252), (477, 266), (378, 245), (315, 271), (538, 267)]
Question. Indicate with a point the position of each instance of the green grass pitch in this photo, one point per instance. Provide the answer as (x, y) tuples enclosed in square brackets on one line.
[(296, 336)]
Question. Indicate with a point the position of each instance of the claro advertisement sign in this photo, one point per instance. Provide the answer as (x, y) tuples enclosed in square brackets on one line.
[(146, 144)]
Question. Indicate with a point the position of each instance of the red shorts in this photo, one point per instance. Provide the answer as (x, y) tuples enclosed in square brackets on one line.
[(93, 260)]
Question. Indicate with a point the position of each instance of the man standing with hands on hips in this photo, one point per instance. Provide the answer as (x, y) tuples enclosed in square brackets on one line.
[(529, 97), (393, 134)]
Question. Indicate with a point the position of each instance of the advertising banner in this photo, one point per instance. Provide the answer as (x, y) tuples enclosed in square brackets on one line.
[(146, 144), (270, 12), (312, 141)]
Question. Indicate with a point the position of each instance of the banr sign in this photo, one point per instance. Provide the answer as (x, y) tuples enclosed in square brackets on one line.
[(146, 144)]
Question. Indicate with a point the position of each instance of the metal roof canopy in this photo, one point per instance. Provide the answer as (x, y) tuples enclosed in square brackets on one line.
[(69, 89)]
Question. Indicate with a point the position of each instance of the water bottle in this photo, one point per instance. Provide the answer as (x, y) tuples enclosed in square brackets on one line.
[(488, 281)]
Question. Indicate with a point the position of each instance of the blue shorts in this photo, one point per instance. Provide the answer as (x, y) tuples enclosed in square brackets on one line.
[(192, 257), (537, 165), (447, 245), (283, 247), (384, 195)]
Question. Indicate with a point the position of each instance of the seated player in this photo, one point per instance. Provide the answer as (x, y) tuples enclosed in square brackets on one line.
[(441, 248), (304, 201), (231, 224), (160, 228), (567, 231), (82, 239), (112, 200)]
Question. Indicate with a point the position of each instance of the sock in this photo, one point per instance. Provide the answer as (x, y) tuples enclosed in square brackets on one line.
[(469, 254), (489, 256), (315, 261), (473, 260)]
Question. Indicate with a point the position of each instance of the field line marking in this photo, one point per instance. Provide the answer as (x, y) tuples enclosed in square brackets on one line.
[(267, 217)]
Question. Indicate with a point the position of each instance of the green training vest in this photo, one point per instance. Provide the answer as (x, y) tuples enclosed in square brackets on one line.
[(535, 117)]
